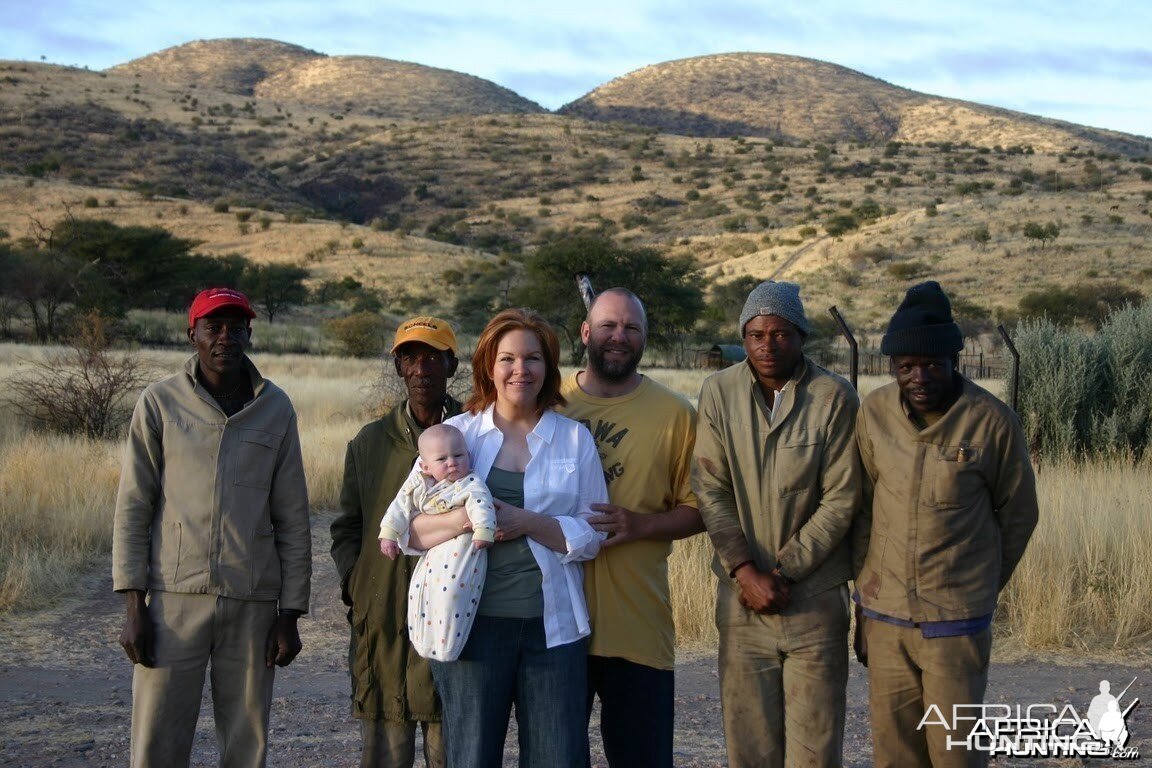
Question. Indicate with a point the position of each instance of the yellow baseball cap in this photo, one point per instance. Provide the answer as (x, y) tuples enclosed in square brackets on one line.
[(428, 330)]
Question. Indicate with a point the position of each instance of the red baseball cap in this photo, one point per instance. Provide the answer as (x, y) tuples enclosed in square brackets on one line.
[(212, 299)]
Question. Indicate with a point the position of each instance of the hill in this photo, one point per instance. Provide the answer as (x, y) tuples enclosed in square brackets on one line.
[(404, 203), (791, 98), (230, 65), (268, 69)]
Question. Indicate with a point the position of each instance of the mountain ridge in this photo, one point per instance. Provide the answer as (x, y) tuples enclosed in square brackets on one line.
[(769, 95)]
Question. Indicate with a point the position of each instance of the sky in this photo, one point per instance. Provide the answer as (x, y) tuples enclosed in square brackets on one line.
[(1088, 63)]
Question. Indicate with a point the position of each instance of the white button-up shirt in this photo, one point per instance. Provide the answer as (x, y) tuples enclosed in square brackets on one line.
[(563, 477)]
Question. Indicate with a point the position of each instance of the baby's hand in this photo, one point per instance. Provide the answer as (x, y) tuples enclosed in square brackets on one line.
[(389, 548), (481, 544)]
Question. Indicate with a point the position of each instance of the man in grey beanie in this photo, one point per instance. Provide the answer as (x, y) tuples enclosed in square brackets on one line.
[(950, 504), (777, 476)]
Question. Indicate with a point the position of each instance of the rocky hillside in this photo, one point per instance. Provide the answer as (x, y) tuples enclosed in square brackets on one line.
[(853, 201), (233, 66), (386, 88), (370, 85), (796, 99)]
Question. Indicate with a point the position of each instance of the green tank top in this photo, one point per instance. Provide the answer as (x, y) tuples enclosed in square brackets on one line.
[(512, 588)]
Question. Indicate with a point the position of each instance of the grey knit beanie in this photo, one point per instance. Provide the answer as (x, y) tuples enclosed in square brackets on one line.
[(923, 325), (773, 298)]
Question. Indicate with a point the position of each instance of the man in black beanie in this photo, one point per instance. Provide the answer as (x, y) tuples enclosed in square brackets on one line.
[(949, 506)]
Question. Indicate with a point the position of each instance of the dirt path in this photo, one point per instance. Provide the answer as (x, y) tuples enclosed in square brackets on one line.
[(66, 690)]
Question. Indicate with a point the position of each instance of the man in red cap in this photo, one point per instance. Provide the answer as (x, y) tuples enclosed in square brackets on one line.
[(392, 690), (211, 543)]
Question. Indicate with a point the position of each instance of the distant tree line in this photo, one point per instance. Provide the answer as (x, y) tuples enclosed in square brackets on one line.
[(671, 287), (78, 266)]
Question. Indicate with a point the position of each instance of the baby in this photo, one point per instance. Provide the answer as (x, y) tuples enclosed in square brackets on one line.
[(445, 481), (447, 581)]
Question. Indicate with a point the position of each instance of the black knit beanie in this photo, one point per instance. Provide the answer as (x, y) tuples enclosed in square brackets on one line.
[(923, 325)]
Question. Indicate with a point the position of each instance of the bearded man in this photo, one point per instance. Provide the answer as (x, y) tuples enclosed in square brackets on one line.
[(644, 433)]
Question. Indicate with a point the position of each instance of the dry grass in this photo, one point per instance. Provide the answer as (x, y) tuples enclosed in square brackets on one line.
[(56, 499), (1085, 580), (57, 493), (1082, 584)]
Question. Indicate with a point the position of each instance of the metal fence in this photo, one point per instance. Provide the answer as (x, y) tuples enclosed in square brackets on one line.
[(975, 364)]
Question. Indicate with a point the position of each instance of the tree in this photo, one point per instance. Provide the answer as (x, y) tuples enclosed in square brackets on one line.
[(727, 301), (840, 224), (1041, 232), (95, 265), (128, 267), (484, 291), (44, 281), (669, 287), (274, 287)]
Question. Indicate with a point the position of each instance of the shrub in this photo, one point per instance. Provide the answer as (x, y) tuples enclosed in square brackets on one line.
[(868, 210), (362, 334), (874, 254), (1087, 396), (83, 390), (1088, 303), (839, 224), (908, 270)]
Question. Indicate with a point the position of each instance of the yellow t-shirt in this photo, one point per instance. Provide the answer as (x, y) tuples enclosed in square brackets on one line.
[(645, 440)]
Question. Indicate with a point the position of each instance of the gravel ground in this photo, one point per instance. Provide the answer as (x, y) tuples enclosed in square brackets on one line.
[(66, 690)]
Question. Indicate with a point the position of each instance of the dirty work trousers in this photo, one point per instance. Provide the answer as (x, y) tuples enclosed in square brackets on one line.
[(393, 745), (907, 674), (194, 632), (783, 680)]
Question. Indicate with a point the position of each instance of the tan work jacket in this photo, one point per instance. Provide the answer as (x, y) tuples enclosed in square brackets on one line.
[(952, 506), (780, 492), (212, 504)]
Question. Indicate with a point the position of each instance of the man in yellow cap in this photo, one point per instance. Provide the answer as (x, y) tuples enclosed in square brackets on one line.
[(391, 685)]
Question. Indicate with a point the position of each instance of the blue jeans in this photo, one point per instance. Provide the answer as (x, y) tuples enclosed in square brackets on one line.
[(637, 708), (507, 662)]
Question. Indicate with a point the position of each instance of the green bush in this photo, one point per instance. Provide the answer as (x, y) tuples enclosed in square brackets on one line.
[(1088, 303), (361, 335), (1082, 396), (840, 223), (1059, 376), (907, 270)]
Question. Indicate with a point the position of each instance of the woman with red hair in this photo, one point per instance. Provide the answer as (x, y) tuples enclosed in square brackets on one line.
[(528, 642)]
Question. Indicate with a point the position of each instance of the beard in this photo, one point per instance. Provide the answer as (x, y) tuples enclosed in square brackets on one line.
[(612, 370)]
